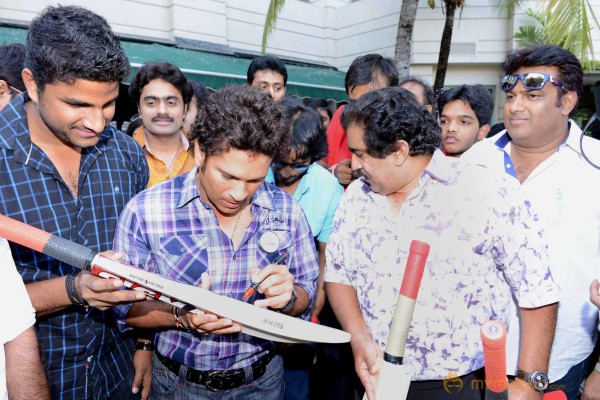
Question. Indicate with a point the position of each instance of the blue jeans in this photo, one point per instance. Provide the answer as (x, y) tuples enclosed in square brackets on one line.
[(168, 386), (571, 382)]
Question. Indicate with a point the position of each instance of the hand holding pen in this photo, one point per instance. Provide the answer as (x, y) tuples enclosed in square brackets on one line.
[(252, 290)]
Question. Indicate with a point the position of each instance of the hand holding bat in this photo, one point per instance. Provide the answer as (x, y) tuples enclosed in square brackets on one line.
[(205, 322), (493, 338), (394, 379), (255, 321), (368, 359), (104, 294)]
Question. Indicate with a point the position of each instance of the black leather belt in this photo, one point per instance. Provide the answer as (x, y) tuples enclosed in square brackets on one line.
[(219, 379)]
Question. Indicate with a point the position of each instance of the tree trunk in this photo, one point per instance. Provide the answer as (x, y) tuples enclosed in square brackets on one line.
[(408, 13), (442, 65)]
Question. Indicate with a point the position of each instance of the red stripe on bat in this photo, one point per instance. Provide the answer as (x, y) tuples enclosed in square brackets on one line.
[(556, 395), (23, 234), (415, 266)]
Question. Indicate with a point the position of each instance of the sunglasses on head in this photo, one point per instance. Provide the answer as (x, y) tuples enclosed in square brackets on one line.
[(301, 167), (530, 81)]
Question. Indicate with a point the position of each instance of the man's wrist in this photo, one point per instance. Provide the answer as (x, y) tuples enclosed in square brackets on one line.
[(72, 292), (537, 380), (290, 304), (145, 346)]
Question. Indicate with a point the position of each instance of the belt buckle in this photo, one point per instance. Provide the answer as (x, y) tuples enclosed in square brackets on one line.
[(218, 380)]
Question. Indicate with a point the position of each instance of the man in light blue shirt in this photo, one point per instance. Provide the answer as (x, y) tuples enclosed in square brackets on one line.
[(318, 193)]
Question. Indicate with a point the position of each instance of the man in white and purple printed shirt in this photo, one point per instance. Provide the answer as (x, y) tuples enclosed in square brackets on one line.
[(485, 242)]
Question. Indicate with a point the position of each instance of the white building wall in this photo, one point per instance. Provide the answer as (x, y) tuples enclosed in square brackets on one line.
[(323, 31)]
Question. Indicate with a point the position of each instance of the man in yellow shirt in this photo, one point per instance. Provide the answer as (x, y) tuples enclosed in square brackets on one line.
[(162, 94)]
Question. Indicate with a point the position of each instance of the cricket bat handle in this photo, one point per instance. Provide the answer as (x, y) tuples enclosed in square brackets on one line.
[(415, 266), (493, 338), (34, 238), (394, 379)]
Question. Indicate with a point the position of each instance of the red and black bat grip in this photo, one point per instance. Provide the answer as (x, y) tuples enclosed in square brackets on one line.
[(61, 249)]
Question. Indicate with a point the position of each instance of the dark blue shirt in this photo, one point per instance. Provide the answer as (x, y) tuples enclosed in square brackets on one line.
[(84, 353)]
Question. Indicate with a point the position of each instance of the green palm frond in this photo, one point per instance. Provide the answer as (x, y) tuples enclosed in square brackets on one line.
[(569, 26), (275, 7), (507, 5), (530, 36)]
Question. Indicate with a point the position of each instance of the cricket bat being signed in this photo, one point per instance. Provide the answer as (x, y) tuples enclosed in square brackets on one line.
[(255, 321)]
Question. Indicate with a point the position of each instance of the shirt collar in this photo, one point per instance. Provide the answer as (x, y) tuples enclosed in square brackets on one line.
[(140, 136), (439, 168), (190, 191), (305, 183), (572, 139)]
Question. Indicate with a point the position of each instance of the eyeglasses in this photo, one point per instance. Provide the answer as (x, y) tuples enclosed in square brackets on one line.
[(300, 167), (530, 81)]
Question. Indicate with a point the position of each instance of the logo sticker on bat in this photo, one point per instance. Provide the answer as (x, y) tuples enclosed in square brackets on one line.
[(274, 324)]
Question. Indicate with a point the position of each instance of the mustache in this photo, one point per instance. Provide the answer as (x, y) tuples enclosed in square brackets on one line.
[(162, 117)]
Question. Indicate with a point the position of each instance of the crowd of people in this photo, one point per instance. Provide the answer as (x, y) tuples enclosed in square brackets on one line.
[(314, 206)]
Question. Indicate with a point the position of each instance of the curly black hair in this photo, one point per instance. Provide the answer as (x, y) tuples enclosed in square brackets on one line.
[(68, 43), (389, 115), (307, 135), (244, 118)]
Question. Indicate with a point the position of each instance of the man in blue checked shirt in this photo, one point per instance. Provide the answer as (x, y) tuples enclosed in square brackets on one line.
[(220, 226), (64, 170)]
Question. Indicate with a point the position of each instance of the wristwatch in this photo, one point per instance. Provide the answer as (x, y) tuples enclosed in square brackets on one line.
[(290, 303), (147, 346), (537, 379)]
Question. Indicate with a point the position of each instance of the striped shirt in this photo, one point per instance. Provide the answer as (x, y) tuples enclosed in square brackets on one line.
[(84, 355), (168, 229)]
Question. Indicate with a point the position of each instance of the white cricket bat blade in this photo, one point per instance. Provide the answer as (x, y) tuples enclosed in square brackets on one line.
[(255, 321), (393, 382)]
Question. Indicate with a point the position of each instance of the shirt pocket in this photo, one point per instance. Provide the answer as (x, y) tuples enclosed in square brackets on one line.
[(184, 257)]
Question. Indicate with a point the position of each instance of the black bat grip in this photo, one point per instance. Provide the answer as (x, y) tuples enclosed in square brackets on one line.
[(69, 252)]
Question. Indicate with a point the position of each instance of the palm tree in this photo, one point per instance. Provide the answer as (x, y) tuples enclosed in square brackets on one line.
[(273, 11), (406, 23), (442, 65), (563, 23)]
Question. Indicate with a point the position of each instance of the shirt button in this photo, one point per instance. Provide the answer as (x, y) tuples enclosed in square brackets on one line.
[(508, 165), (182, 250), (382, 311), (220, 363)]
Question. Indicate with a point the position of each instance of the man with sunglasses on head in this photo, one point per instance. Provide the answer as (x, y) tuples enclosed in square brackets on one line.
[(540, 148)]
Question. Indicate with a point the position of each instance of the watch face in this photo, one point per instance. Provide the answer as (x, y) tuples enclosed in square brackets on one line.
[(539, 380)]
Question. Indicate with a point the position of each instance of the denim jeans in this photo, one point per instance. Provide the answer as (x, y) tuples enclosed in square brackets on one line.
[(571, 382), (168, 386)]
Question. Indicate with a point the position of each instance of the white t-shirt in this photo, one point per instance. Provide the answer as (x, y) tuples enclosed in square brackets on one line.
[(16, 310), (564, 191)]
